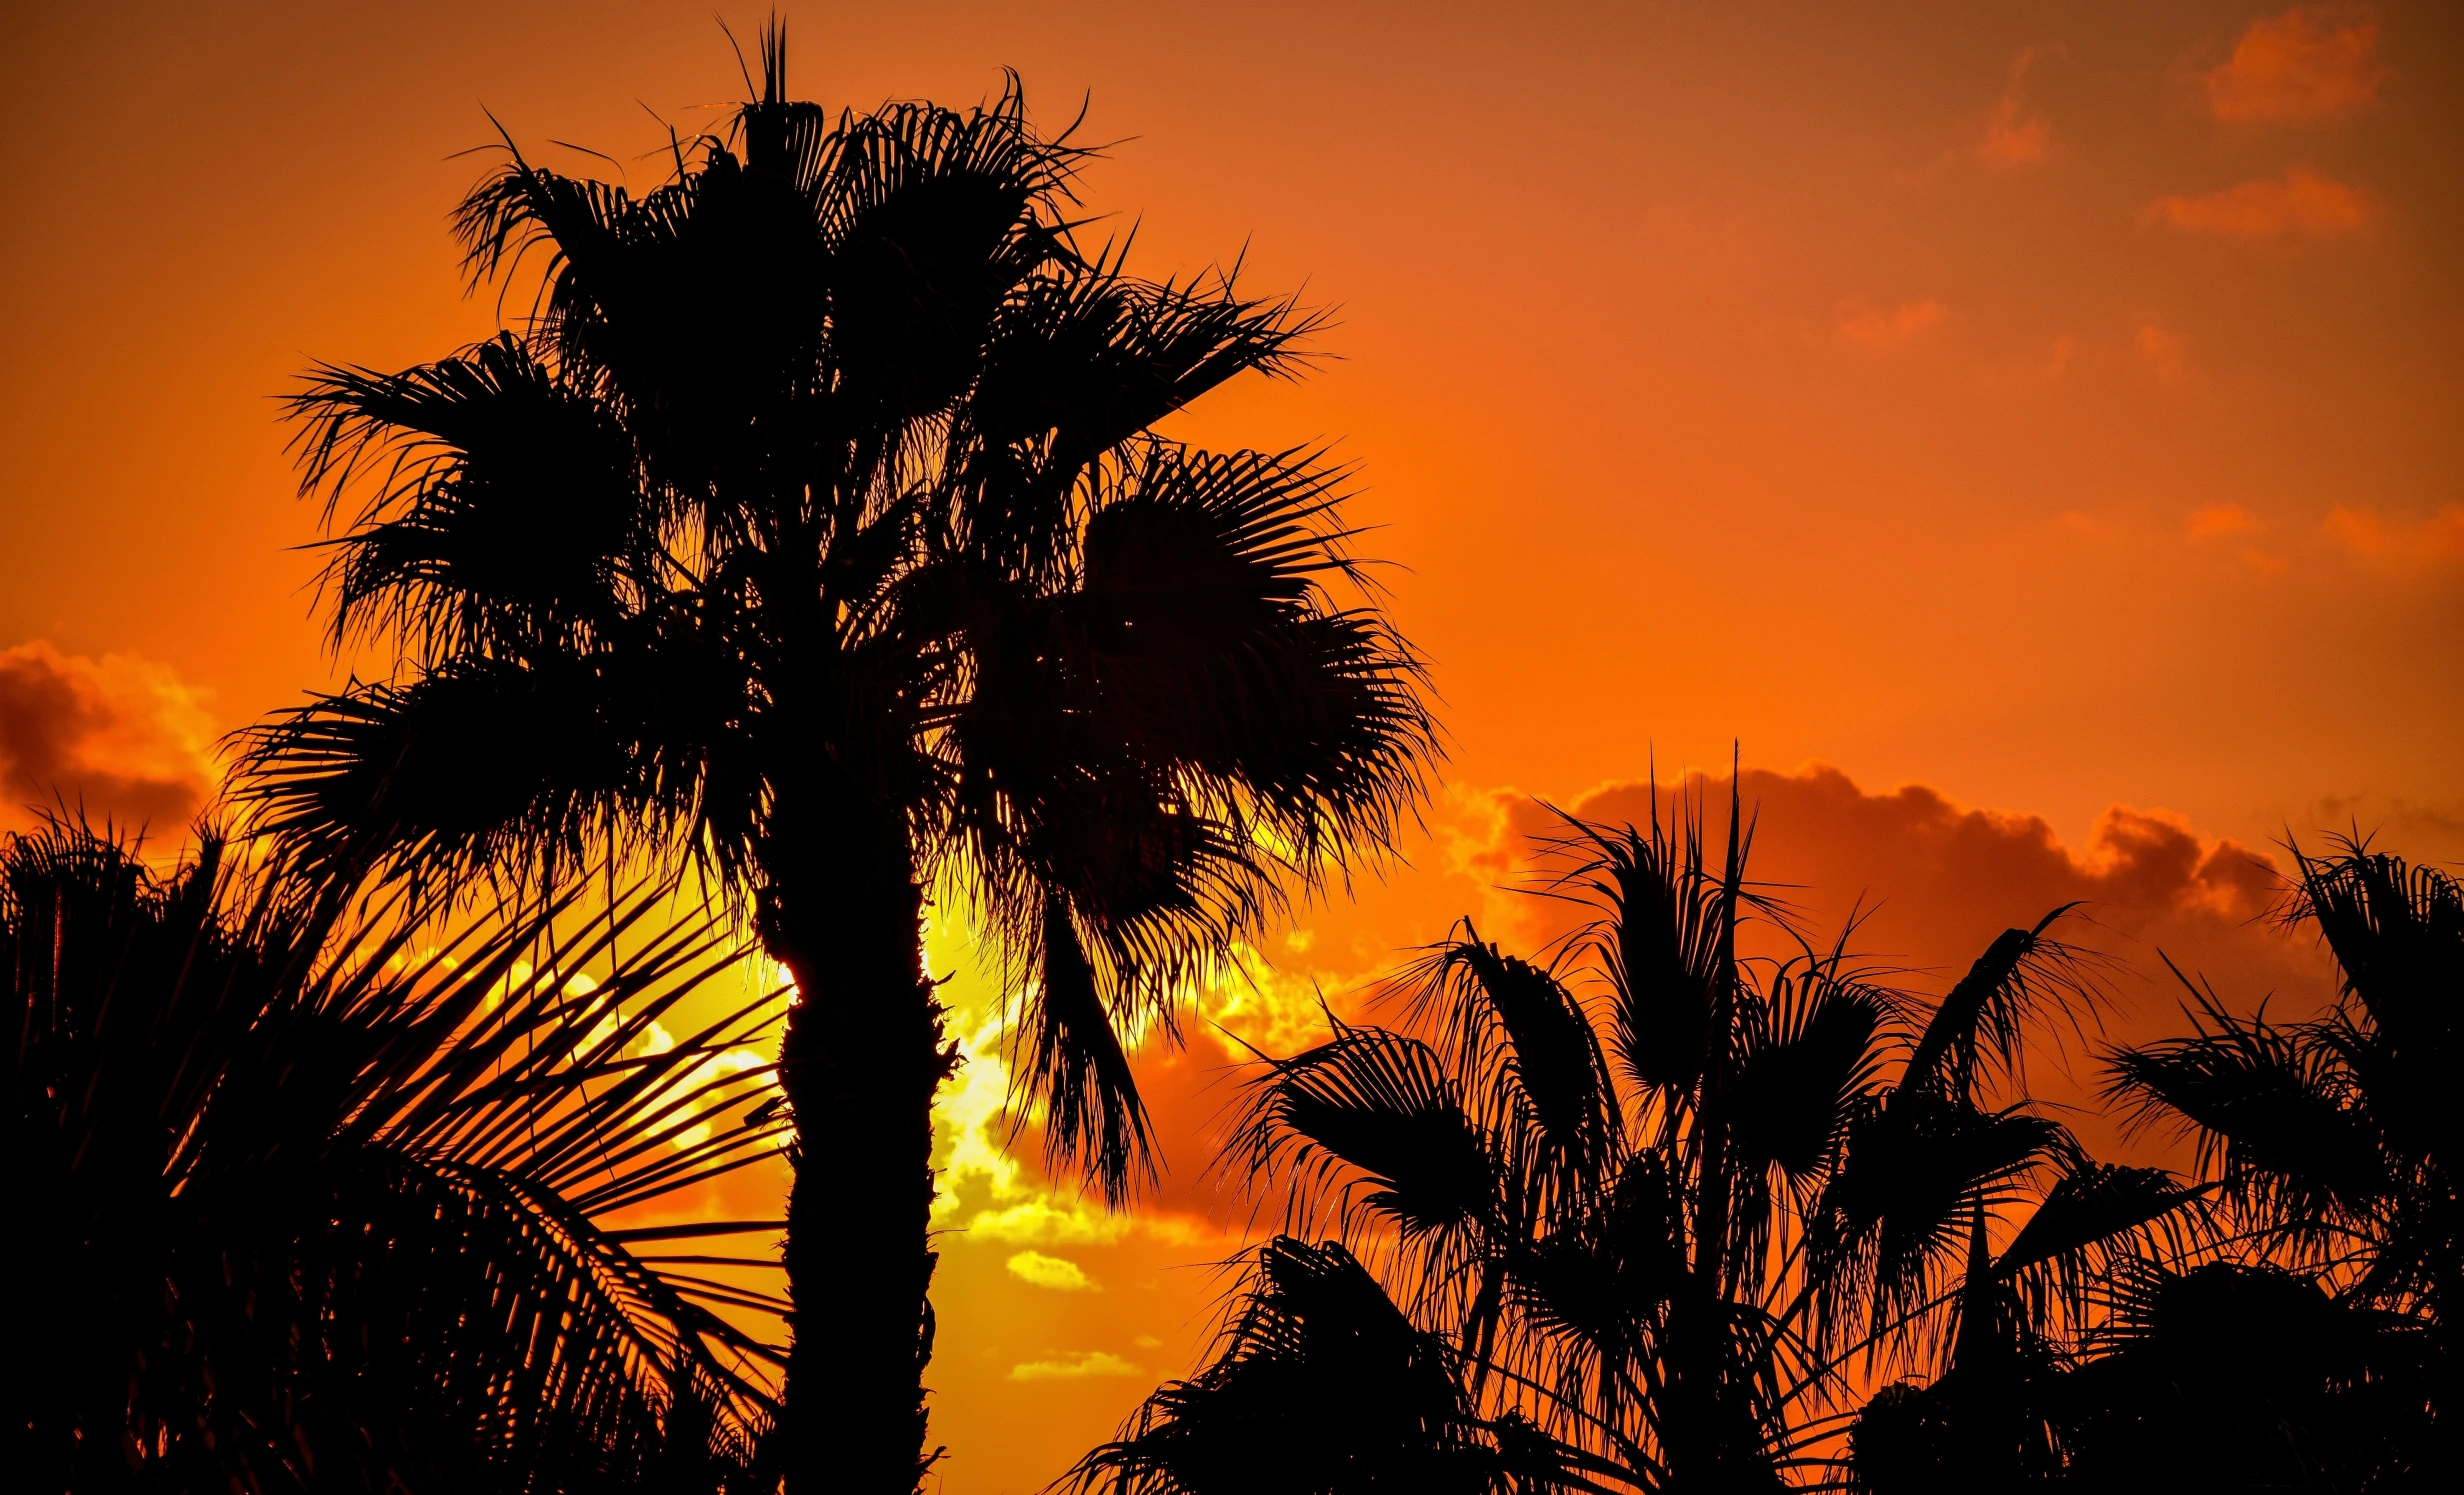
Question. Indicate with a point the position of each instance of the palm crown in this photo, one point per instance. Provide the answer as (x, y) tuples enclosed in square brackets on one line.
[(1660, 1199), (813, 530)]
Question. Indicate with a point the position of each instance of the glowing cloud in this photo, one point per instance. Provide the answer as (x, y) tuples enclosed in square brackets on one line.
[(121, 736), (1081, 1366), (1057, 1273), (2304, 202), (2308, 63)]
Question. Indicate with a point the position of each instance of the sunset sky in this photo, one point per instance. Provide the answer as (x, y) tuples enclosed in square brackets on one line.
[(2034, 433)]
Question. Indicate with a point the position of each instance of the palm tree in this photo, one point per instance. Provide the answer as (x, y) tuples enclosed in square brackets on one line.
[(1320, 1383), (813, 534), (2333, 1140), (301, 1201), (1663, 1198), (2233, 1375), (2295, 1340)]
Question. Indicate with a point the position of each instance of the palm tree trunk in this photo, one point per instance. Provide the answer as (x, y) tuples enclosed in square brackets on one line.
[(862, 1057)]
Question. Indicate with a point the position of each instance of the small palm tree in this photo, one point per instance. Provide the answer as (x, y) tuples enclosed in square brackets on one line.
[(301, 1203), (2334, 1144), (813, 532), (2295, 1339), (2336, 1138), (1319, 1383), (1661, 1198)]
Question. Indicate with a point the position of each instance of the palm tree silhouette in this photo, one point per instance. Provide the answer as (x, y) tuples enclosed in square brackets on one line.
[(305, 1201), (2333, 1141), (2293, 1339), (1319, 1383), (1658, 1197), (2335, 1138), (814, 533)]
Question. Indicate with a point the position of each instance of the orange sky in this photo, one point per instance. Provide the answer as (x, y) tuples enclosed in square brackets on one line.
[(2038, 404)]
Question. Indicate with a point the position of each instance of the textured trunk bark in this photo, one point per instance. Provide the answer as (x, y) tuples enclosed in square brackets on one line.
[(862, 1056)]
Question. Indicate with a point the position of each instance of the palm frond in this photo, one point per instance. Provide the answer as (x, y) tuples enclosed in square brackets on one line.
[(1982, 1027), (328, 1194), (1319, 1383), (1093, 1116)]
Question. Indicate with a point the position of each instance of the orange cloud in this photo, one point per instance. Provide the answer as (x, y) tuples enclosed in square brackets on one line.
[(2304, 202), (2220, 519), (2168, 353), (2435, 541), (2232, 519), (120, 736), (2311, 62), (1872, 327), (2014, 137)]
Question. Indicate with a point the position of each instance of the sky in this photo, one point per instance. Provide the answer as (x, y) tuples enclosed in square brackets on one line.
[(2025, 434)]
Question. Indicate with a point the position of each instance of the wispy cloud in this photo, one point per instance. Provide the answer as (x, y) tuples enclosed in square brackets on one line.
[(2308, 63), (2303, 202), (2014, 137), (2220, 519), (1870, 326), (2217, 521), (2408, 544), (2165, 352)]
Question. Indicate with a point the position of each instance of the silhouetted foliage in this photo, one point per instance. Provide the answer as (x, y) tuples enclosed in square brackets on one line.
[(2302, 1344), (813, 531), (1656, 1199), (1320, 1384), (301, 1201)]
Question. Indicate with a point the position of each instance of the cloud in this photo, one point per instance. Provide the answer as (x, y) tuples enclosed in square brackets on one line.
[(2304, 202), (1871, 327), (121, 736), (2435, 541), (1058, 1273), (1952, 876), (2012, 136), (2311, 62), (2220, 519), (1079, 1366), (2217, 520), (2167, 353)]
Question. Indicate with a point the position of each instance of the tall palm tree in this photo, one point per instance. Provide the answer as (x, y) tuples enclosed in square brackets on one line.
[(303, 1200), (1663, 1197), (814, 532)]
